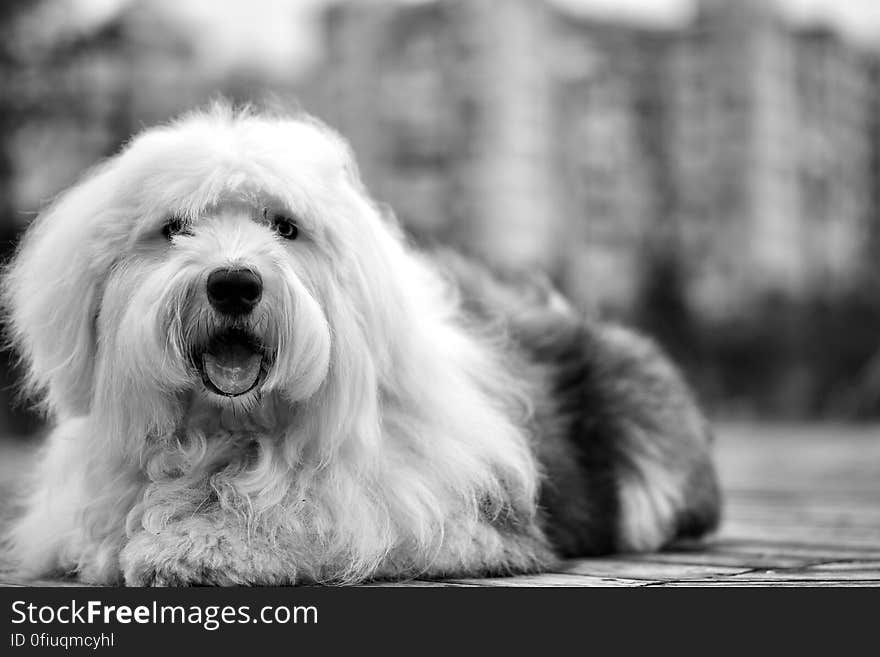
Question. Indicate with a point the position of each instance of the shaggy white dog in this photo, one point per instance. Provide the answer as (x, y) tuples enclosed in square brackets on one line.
[(256, 380)]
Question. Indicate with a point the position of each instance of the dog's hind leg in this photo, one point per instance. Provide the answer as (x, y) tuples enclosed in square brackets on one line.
[(666, 482), (644, 473)]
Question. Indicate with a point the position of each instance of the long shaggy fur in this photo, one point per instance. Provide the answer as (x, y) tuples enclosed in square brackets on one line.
[(419, 415)]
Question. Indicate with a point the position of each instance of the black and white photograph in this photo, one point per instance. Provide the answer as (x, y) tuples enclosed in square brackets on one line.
[(438, 293)]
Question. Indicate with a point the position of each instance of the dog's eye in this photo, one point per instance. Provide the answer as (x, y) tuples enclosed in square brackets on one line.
[(174, 226), (283, 225)]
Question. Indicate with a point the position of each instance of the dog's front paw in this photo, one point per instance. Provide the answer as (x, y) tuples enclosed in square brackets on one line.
[(144, 574), (197, 554), (172, 558), (172, 573)]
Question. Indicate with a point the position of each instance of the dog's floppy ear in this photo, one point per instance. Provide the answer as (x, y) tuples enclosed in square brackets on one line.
[(51, 291)]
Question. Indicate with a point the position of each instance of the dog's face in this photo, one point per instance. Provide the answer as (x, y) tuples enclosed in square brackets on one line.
[(222, 257), (231, 297)]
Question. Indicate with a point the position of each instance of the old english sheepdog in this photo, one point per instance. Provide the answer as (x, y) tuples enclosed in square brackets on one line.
[(255, 379)]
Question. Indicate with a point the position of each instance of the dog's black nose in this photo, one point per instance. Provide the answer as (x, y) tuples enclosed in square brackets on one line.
[(234, 291)]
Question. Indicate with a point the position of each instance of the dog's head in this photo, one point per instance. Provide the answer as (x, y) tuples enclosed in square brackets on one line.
[(226, 257)]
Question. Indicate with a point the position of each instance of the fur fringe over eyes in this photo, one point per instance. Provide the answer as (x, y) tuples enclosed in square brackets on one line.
[(406, 417)]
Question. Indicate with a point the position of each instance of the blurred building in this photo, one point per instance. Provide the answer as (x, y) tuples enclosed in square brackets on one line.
[(836, 184), (772, 155), (609, 124), (447, 105), (737, 146), (874, 113)]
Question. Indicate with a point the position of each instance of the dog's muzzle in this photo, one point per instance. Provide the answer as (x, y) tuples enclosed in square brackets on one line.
[(233, 363)]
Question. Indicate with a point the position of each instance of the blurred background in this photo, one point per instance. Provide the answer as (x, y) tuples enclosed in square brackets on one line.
[(708, 170)]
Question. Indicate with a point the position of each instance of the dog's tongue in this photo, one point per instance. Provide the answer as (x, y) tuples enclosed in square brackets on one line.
[(233, 368)]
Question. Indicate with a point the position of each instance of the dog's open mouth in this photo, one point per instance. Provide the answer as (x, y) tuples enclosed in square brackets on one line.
[(232, 363)]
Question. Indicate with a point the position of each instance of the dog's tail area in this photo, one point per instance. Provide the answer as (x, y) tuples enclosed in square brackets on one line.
[(659, 443), (623, 445), (644, 473)]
